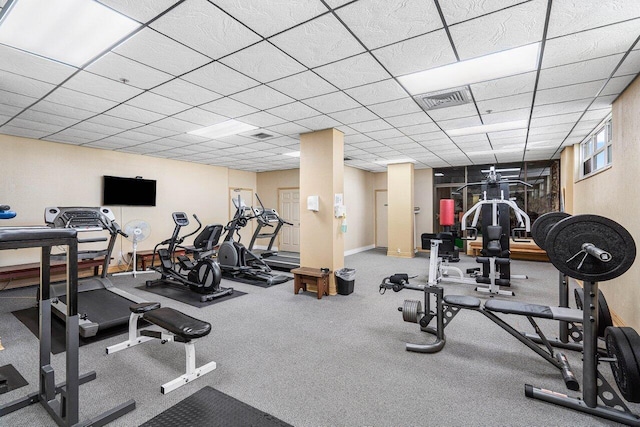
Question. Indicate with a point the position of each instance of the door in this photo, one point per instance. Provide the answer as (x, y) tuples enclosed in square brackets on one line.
[(246, 195), (381, 219), (289, 210)]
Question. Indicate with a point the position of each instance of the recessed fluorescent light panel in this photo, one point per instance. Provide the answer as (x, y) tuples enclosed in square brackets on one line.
[(293, 154), (476, 70), (496, 127), (74, 32), (394, 161), (230, 127)]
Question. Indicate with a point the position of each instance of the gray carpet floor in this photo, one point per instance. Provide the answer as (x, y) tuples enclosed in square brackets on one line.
[(339, 361)]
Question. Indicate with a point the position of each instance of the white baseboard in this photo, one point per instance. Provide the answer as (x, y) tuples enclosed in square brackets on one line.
[(357, 250)]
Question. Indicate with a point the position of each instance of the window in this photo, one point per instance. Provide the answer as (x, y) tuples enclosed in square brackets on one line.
[(595, 151)]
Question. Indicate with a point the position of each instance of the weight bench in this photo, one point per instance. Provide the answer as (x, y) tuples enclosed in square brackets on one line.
[(178, 327)]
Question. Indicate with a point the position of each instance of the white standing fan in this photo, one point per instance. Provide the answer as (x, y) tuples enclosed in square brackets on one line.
[(136, 231)]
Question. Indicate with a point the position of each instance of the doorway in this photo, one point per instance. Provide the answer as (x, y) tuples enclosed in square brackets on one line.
[(289, 210)]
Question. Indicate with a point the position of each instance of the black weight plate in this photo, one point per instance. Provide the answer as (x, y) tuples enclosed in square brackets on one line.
[(604, 315), (625, 369), (565, 240), (634, 341), (544, 223)]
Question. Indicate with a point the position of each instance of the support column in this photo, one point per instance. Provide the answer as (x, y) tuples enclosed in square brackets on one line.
[(400, 210), (322, 175)]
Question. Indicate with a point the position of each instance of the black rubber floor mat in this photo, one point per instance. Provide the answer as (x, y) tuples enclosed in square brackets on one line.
[(209, 407), (30, 318), (249, 281), (12, 377), (186, 296)]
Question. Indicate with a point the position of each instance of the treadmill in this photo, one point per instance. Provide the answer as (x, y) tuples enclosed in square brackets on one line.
[(100, 304), (276, 260)]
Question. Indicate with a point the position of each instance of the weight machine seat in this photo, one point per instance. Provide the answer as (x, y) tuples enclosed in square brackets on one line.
[(462, 301), (534, 310), (499, 261), (143, 307), (178, 323)]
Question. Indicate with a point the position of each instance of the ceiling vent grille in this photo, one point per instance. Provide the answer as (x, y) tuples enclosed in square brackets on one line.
[(262, 135), (444, 99)]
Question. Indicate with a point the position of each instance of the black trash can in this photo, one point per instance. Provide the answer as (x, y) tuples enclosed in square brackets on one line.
[(345, 278)]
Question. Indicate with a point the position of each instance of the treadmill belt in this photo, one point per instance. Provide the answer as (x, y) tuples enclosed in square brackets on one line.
[(103, 307), (283, 263)]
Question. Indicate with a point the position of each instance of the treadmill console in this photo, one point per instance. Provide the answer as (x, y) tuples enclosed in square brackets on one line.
[(180, 218), (79, 218)]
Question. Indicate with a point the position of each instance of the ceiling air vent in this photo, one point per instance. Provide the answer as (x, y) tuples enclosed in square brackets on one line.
[(444, 98), (262, 135)]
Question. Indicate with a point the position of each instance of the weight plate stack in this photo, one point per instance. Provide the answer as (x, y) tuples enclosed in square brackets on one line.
[(411, 309), (544, 223), (623, 344)]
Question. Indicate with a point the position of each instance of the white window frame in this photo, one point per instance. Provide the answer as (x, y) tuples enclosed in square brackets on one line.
[(594, 158)]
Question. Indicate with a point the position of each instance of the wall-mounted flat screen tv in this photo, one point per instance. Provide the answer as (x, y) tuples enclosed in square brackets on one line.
[(128, 191)]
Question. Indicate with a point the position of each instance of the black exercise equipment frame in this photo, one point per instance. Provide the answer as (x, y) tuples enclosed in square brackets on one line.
[(65, 412)]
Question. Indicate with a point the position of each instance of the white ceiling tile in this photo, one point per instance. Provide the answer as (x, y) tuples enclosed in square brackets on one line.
[(75, 99), (417, 54), (465, 110), (604, 101), (96, 128), (355, 71), (118, 67), (260, 119), (78, 133), (136, 114), (509, 28), (37, 126), (156, 103), (569, 93), (158, 51), (134, 135), (200, 117), (289, 129), (26, 133), (303, 85), (579, 72), (506, 103), (460, 123), (140, 10), (274, 16), (505, 116), (568, 17), (183, 91), (431, 138), (590, 44), (500, 137), (26, 86), (93, 84), (560, 108), (546, 130), (461, 10), (10, 110), (318, 122), (116, 122), (263, 62), (631, 64), (16, 100), (399, 107), (336, 101), (375, 93), (182, 139), (156, 131), (596, 114), (367, 145), (294, 111), (616, 85), (204, 27), (176, 124), (384, 22), (471, 140), (512, 85), (34, 67), (354, 115), (384, 134), (229, 107), (220, 79), (62, 110), (409, 119), (215, 145), (418, 129), (318, 41), (262, 97), (554, 120), (370, 126)]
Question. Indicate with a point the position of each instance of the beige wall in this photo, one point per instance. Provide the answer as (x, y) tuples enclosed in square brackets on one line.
[(380, 181), (358, 198), (244, 180), (423, 198), (613, 194), (400, 181), (268, 184), (567, 177), (37, 174)]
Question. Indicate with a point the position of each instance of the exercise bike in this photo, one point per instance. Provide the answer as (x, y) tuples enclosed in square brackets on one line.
[(202, 274), (236, 261)]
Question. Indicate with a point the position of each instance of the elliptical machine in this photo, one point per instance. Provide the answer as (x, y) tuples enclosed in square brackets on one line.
[(203, 274), (236, 261)]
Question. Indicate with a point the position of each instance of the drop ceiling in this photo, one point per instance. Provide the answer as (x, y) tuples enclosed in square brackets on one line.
[(294, 66)]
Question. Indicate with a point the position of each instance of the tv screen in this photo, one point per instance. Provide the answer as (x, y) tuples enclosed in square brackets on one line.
[(128, 191)]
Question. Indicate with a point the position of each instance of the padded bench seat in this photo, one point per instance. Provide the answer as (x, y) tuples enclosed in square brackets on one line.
[(534, 310), (462, 301), (178, 323)]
